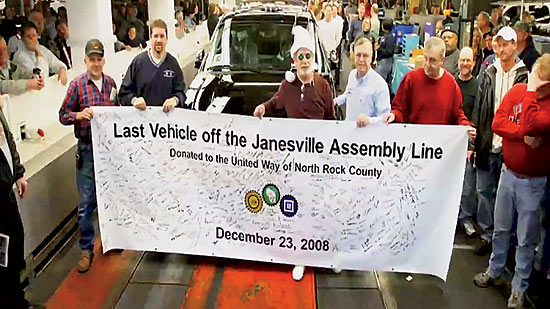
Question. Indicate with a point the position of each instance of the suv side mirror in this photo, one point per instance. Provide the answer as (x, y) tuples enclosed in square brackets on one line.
[(199, 58)]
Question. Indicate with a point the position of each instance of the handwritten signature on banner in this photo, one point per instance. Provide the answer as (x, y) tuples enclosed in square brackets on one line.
[(193, 192)]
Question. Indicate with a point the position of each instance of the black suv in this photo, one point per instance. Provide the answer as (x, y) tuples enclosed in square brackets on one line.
[(248, 56)]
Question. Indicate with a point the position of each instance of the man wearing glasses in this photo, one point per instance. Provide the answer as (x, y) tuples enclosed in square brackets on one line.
[(309, 95)]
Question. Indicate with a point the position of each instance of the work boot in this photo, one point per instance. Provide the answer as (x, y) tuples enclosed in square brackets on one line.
[(469, 228), (85, 261), (484, 280), (485, 248), (515, 300)]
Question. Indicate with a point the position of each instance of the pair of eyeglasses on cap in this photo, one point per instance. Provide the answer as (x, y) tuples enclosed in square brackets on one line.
[(304, 55)]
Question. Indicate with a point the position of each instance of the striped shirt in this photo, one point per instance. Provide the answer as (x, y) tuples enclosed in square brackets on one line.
[(83, 93)]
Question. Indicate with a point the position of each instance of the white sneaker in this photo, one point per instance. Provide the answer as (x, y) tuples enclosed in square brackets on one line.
[(469, 228), (298, 272), (337, 270)]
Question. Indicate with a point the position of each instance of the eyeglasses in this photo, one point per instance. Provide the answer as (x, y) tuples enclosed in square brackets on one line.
[(306, 55)]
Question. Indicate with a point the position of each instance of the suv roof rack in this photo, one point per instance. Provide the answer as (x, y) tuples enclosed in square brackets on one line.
[(272, 5), (277, 2)]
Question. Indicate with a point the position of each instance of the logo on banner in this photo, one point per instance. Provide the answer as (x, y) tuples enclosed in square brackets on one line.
[(271, 194), (289, 205), (253, 201)]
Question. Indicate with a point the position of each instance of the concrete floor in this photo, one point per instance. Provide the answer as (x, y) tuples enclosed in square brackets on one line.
[(159, 280)]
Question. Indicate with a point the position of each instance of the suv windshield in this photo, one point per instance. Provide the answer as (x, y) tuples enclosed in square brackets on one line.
[(260, 44), (252, 45)]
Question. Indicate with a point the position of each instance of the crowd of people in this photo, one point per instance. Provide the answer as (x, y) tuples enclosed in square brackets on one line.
[(499, 87), (52, 30), (154, 78)]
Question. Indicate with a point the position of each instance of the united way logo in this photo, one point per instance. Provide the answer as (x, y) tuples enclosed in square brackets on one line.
[(289, 205)]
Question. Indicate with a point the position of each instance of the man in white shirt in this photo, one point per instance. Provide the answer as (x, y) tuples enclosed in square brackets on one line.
[(367, 97), (337, 19), (15, 43), (329, 31), (14, 80), (34, 55)]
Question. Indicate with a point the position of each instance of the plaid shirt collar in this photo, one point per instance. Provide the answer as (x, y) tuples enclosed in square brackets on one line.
[(88, 78)]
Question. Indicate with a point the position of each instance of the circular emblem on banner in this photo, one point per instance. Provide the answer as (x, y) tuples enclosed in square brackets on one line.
[(271, 194), (253, 201), (289, 205)]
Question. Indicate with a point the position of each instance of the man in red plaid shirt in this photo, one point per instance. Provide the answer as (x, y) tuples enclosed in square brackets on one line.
[(92, 88)]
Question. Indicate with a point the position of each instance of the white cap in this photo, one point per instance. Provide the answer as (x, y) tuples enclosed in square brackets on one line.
[(507, 34), (302, 39)]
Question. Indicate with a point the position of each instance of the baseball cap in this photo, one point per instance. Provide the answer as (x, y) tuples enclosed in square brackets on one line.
[(94, 46), (449, 27), (508, 34), (521, 26)]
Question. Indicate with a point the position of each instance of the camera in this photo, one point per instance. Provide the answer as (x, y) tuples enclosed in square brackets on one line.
[(36, 72)]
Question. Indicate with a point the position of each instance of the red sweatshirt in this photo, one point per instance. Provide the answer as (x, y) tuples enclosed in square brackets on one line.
[(521, 114), (423, 100)]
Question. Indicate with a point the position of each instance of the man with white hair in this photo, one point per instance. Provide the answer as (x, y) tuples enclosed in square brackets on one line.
[(429, 95), (468, 87), (308, 96), (495, 82)]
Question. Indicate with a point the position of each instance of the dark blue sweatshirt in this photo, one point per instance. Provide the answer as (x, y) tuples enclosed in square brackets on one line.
[(387, 46), (155, 83)]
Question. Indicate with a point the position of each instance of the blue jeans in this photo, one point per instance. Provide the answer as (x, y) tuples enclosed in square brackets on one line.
[(517, 199), (384, 68), (468, 207), (487, 182), (85, 181), (542, 261)]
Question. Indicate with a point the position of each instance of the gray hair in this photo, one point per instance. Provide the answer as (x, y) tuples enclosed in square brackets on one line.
[(485, 16), (435, 42)]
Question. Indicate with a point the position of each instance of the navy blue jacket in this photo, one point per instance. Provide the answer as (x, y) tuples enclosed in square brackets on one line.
[(155, 83), (387, 46), (529, 54)]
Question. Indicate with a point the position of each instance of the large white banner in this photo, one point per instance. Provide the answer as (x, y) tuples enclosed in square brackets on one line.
[(319, 193)]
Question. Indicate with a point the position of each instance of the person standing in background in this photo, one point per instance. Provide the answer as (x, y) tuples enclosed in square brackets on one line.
[(468, 88)]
